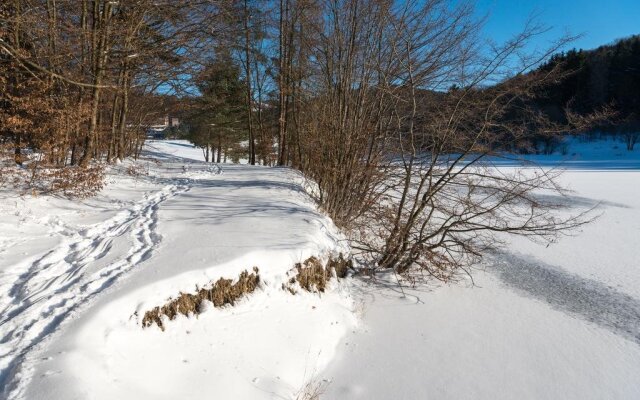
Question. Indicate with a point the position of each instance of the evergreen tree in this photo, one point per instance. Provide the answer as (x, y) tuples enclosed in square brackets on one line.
[(218, 121)]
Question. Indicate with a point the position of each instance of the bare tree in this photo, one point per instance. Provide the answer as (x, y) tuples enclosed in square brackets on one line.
[(69, 71), (248, 76), (284, 53), (402, 121)]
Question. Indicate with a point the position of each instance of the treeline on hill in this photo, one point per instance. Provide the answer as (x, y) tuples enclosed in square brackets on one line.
[(392, 108), (608, 76)]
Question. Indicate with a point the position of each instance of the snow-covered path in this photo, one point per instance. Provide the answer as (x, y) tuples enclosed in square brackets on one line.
[(71, 323), (55, 284)]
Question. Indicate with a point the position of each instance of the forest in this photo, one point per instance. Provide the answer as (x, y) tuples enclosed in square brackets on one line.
[(608, 76)]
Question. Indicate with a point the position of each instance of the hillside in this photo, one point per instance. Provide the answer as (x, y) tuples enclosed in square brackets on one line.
[(606, 76)]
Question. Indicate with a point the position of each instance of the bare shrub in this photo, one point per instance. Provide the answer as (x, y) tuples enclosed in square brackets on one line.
[(221, 293), (137, 170), (70, 181), (74, 182), (11, 175), (312, 389), (407, 112), (340, 265)]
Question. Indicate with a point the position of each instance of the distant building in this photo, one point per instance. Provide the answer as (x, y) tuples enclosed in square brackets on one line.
[(157, 128)]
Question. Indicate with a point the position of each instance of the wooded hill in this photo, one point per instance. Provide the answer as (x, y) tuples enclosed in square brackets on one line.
[(608, 76)]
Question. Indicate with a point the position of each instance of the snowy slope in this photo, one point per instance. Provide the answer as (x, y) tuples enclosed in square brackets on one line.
[(69, 329)]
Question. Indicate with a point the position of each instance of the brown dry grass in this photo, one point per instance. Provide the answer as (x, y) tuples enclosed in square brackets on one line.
[(310, 275), (221, 293), (340, 265), (313, 277)]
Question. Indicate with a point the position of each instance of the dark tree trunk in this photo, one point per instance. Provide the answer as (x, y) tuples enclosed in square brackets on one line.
[(18, 150), (219, 148)]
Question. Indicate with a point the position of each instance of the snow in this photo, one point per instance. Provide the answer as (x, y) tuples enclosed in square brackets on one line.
[(561, 321), (178, 149), (585, 153), (538, 322), (191, 224), (483, 342)]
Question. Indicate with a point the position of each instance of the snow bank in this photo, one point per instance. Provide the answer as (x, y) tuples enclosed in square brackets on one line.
[(581, 153)]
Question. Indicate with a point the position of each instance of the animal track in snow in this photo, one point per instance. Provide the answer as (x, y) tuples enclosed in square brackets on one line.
[(58, 282)]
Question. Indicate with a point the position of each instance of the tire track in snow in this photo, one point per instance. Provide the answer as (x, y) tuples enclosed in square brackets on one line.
[(570, 293), (58, 282)]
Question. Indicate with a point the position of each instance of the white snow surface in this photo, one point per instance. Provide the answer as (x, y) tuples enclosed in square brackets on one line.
[(556, 322), (74, 275), (583, 153)]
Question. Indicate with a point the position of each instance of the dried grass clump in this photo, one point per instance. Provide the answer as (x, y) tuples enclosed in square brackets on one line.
[(221, 293), (340, 265), (313, 277)]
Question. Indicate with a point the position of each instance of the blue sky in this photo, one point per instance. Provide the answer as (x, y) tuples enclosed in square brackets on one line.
[(600, 22)]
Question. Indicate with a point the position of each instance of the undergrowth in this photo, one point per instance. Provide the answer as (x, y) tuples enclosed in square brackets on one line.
[(310, 275), (221, 293)]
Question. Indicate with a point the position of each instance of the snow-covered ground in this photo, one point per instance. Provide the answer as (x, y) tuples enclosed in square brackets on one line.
[(74, 274), (556, 322), (541, 322), (581, 152)]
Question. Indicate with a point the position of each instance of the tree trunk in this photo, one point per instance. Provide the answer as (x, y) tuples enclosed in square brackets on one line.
[(123, 114), (100, 33), (114, 117), (219, 148), (18, 150), (247, 53), (264, 150), (282, 98)]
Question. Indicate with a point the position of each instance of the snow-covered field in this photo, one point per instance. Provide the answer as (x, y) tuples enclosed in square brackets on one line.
[(556, 322), (541, 322)]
